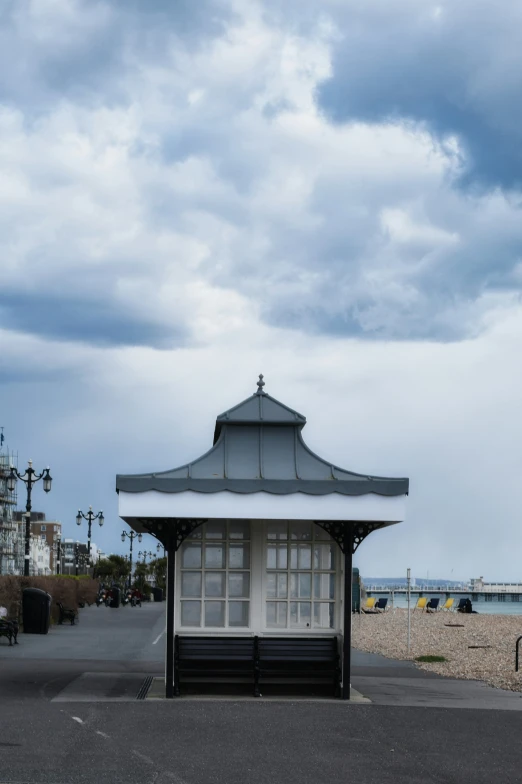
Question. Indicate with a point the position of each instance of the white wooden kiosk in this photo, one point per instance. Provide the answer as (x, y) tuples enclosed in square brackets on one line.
[(259, 532)]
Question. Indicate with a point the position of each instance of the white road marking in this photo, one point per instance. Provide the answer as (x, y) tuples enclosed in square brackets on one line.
[(75, 718), (143, 757), (158, 638), (103, 734)]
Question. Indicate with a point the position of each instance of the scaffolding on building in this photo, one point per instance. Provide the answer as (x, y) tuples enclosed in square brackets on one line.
[(11, 533)]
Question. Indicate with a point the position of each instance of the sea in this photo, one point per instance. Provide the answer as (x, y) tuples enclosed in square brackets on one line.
[(489, 605)]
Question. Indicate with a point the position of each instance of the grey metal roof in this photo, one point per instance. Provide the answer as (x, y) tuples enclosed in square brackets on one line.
[(258, 445)]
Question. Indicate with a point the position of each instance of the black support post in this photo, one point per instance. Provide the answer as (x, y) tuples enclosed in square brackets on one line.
[(347, 629), (169, 656)]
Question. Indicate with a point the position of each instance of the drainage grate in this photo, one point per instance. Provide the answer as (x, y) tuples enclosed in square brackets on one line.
[(145, 686)]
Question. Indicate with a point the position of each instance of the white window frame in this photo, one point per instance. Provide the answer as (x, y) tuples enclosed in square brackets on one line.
[(236, 631), (258, 591)]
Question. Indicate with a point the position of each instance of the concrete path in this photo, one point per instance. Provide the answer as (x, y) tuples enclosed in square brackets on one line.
[(399, 683), (55, 728)]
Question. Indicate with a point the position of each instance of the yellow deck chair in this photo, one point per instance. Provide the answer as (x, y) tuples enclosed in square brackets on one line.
[(370, 604), (448, 604), (421, 603)]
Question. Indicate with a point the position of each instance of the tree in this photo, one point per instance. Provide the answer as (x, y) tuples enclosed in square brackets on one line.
[(141, 573), (115, 567), (158, 569)]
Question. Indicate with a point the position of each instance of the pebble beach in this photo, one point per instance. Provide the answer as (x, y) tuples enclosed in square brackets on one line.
[(477, 647)]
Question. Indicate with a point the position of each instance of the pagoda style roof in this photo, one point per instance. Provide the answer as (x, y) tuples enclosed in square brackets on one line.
[(258, 446)]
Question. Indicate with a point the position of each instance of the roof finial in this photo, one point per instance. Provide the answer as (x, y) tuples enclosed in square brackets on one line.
[(260, 385)]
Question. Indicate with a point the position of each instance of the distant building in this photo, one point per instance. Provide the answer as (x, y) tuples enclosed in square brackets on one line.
[(48, 531), (11, 540), (478, 585)]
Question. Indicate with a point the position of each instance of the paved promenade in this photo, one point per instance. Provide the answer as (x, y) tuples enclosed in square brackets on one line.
[(69, 715)]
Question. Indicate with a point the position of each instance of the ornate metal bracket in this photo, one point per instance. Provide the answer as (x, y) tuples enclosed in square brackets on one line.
[(169, 530), (347, 534)]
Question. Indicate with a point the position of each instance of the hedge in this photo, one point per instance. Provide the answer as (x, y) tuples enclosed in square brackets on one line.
[(70, 590)]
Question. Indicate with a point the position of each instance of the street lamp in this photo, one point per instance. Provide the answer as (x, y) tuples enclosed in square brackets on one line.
[(80, 559), (90, 516), (145, 554), (30, 478), (57, 550), (158, 548), (132, 535)]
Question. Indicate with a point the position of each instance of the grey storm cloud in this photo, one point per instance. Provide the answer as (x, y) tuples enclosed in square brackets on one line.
[(204, 157), (455, 66), (69, 317)]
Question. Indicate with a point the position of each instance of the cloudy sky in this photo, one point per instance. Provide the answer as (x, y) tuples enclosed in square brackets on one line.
[(325, 191)]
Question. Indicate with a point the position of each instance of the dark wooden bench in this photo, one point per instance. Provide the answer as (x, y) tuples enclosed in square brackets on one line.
[(9, 629), (257, 659), (65, 614), (294, 658), (212, 657)]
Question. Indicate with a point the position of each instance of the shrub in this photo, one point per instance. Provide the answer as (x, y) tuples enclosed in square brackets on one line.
[(71, 591), (430, 659)]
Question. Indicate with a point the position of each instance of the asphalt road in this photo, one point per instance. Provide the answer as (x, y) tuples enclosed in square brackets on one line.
[(48, 741)]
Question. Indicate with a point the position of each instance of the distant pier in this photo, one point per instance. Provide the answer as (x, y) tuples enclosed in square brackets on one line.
[(500, 592)]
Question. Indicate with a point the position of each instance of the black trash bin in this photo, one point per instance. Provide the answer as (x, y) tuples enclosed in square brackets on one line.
[(158, 594), (116, 597), (36, 608)]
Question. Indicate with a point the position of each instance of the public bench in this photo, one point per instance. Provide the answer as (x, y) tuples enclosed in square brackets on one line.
[(9, 629), (300, 658), (65, 614), (257, 659), (212, 657)]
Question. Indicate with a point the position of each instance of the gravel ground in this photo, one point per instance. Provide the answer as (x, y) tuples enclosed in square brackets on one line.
[(438, 634)]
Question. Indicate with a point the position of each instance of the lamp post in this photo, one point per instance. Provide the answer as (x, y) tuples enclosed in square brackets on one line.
[(80, 559), (408, 581), (90, 516), (145, 554), (57, 551), (132, 536), (30, 478), (158, 548)]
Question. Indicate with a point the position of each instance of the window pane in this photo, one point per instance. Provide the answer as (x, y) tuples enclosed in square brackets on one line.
[(324, 615), (191, 584), (300, 530), (190, 613), (276, 556), (277, 585), (293, 556), (238, 613), (191, 556), (324, 556), (215, 556), (214, 613), (305, 556), (305, 586), (300, 613), (239, 556), (239, 584), (324, 586), (214, 583), (276, 614), (277, 529), (239, 529), (216, 530), (300, 586)]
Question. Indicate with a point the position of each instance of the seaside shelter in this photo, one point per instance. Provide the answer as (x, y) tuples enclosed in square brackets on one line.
[(260, 532)]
